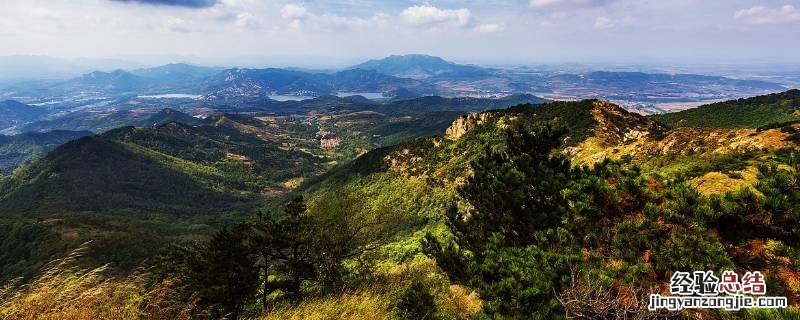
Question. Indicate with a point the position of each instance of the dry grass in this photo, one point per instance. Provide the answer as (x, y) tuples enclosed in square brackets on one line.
[(452, 301), (359, 305), (720, 183), (460, 303), (377, 300), (65, 291)]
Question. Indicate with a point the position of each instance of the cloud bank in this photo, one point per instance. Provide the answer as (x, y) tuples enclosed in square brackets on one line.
[(567, 3), (758, 15), (426, 15)]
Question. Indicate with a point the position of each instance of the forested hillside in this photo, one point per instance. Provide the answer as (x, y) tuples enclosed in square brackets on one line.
[(567, 209), (17, 149), (742, 113)]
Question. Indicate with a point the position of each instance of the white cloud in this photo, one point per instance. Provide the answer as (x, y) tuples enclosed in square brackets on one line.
[(295, 25), (337, 22), (245, 20), (294, 12), (426, 15), (41, 12), (300, 16), (176, 24), (604, 23), (237, 13), (550, 3), (608, 23), (765, 15), (488, 28)]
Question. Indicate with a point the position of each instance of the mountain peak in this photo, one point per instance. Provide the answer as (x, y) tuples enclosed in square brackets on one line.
[(415, 66), (417, 57)]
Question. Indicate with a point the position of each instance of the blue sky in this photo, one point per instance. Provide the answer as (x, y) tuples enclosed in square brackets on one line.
[(318, 33)]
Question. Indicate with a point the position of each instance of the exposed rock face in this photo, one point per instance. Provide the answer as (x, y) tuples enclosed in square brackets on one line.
[(618, 133), (615, 126), (465, 123), (614, 129)]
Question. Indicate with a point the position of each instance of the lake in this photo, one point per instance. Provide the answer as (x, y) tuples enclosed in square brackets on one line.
[(172, 96), (368, 95), (282, 97)]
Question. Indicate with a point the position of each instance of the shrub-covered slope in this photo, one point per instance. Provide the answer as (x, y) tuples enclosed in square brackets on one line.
[(742, 113), (96, 174), (132, 190)]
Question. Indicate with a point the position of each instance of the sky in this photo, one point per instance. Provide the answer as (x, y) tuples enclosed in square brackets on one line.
[(316, 33)]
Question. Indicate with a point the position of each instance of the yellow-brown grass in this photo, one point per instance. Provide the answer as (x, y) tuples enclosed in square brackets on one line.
[(66, 291), (359, 305), (376, 300)]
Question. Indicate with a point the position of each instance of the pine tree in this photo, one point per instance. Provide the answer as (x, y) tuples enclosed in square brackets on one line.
[(226, 274), (262, 240), (516, 190), (293, 256)]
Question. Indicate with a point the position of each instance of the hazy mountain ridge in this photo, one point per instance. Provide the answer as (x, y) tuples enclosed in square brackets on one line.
[(17, 149), (14, 113), (256, 83), (176, 72), (397, 77), (21, 68)]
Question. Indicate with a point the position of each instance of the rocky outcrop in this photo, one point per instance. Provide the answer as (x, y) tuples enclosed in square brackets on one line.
[(618, 133), (466, 123), (615, 126), (615, 132)]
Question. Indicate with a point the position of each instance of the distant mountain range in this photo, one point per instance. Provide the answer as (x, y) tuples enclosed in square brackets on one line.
[(664, 87), (18, 68), (395, 77), (152, 80), (118, 81), (251, 83), (176, 72)]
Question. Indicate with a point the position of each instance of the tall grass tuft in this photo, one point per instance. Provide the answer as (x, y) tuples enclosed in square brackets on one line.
[(66, 291)]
